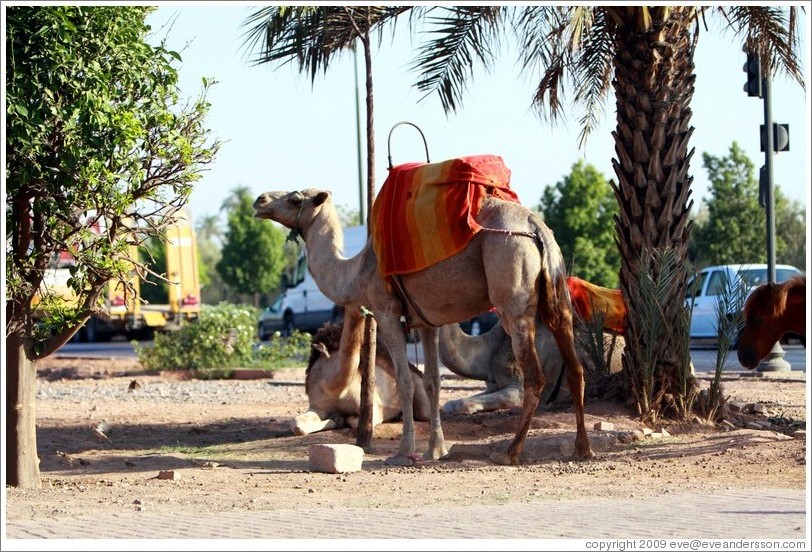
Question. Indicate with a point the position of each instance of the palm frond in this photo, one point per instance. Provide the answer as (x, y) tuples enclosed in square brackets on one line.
[(464, 34), (308, 35), (593, 71), (545, 50)]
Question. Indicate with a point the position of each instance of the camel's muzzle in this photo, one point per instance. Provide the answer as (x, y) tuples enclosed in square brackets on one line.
[(263, 202)]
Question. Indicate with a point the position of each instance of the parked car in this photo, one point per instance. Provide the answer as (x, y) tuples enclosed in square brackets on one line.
[(707, 287), (271, 320), (480, 324), (301, 305)]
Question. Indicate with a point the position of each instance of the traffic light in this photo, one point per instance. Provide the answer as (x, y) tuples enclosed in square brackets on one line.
[(753, 69)]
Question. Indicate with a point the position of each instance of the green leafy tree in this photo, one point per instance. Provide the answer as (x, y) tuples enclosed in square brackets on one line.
[(580, 210), (252, 259), (734, 224), (790, 231), (213, 289), (99, 155), (735, 230)]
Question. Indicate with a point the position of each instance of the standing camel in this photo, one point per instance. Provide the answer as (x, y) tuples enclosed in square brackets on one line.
[(513, 264)]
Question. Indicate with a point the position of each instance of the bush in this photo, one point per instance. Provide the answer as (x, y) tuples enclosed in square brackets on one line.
[(223, 338), (281, 352)]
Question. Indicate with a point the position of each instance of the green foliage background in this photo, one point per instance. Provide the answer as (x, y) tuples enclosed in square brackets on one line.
[(252, 259), (733, 225), (579, 210), (223, 338)]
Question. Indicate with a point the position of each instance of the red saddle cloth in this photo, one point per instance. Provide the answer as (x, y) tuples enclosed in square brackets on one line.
[(589, 299), (424, 212)]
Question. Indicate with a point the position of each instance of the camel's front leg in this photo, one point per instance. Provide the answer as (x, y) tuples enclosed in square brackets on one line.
[(392, 334), (487, 401), (431, 382), (311, 422)]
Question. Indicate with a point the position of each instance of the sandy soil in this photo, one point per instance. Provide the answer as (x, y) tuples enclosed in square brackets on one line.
[(106, 430)]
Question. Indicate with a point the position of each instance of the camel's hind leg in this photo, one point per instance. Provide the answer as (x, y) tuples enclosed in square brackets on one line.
[(564, 338), (523, 340)]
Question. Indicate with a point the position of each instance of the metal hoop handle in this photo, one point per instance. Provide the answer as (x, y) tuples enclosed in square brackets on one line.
[(389, 141)]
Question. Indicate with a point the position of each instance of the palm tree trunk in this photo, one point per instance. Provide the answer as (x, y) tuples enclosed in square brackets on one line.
[(654, 84), (22, 462), (365, 426)]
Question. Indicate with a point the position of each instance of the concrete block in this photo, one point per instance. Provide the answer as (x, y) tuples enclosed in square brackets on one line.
[(335, 458), (604, 426)]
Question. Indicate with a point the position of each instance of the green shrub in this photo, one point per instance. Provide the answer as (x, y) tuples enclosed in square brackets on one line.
[(282, 352), (223, 338)]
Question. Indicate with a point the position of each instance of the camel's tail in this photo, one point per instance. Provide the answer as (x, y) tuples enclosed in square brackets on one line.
[(592, 303), (552, 280)]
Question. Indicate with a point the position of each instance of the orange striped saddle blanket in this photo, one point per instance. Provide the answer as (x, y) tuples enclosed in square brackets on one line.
[(590, 300), (424, 212)]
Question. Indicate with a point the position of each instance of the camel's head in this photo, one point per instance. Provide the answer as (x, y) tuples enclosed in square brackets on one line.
[(294, 210)]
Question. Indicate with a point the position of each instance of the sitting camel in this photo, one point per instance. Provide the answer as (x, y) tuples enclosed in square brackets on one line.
[(334, 394), (513, 263), (489, 358)]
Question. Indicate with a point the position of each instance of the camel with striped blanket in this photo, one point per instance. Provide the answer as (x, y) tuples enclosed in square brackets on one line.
[(513, 264)]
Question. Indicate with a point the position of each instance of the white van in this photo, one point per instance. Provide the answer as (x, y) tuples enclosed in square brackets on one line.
[(301, 305)]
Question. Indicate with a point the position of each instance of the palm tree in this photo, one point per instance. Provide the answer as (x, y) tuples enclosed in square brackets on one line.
[(312, 36), (645, 56)]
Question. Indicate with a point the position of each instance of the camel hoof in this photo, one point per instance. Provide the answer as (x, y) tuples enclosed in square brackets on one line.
[(399, 460), (588, 455), (501, 458), (430, 456)]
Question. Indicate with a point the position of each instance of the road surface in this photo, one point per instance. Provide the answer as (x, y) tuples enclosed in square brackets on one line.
[(703, 357)]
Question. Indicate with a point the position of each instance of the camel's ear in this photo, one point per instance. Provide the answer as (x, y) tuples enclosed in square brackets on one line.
[(320, 198), (322, 348)]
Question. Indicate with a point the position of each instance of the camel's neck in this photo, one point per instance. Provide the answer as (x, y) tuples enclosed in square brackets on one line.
[(335, 275), (463, 354)]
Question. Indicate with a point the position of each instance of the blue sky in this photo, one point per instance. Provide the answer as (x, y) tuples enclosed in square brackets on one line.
[(281, 133)]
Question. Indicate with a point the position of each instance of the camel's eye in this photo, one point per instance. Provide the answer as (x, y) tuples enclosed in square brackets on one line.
[(296, 199)]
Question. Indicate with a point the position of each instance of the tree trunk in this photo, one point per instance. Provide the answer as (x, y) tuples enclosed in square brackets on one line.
[(363, 438), (654, 84), (365, 427), (22, 462)]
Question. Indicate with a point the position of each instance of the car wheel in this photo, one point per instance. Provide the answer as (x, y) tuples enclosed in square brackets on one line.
[(261, 334)]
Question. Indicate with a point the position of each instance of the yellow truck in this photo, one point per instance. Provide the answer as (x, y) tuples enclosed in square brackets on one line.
[(125, 313)]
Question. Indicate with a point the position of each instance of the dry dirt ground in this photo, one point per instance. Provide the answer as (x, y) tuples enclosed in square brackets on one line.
[(106, 429)]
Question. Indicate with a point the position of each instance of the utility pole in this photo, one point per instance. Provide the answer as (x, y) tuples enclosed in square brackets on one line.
[(758, 84), (361, 218)]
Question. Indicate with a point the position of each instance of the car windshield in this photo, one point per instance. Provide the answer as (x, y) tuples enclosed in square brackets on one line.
[(277, 304), (753, 277)]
